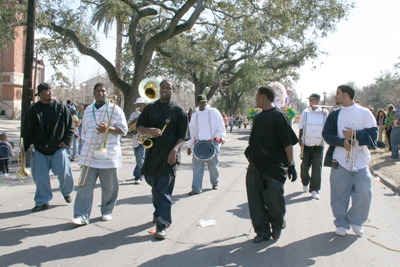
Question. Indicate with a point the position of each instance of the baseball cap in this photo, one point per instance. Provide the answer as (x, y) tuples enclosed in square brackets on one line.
[(201, 98), (139, 100), (43, 86), (316, 96)]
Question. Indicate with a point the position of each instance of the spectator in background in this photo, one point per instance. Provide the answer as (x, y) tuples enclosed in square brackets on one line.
[(231, 123), (226, 120), (395, 137), (81, 111), (75, 119), (190, 113), (6, 152), (380, 120), (388, 124)]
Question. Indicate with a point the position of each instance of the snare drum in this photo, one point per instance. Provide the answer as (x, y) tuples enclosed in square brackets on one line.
[(312, 129), (204, 151)]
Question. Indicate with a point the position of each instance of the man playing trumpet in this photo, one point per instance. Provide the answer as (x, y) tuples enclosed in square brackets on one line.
[(99, 117), (349, 178), (138, 148)]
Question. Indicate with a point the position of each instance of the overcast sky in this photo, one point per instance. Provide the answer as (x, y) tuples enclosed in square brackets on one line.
[(361, 48)]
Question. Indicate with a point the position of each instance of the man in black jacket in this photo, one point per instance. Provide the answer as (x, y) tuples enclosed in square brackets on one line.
[(48, 126)]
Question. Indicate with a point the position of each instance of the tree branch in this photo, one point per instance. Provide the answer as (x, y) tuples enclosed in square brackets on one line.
[(112, 73)]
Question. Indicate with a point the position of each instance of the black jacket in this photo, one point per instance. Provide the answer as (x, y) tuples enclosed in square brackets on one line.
[(33, 129)]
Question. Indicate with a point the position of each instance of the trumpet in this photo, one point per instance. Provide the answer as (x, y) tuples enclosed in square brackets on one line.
[(22, 172), (133, 126), (102, 148), (145, 139), (351, 154)]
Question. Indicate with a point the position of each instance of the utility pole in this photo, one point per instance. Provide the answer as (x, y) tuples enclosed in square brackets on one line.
[(29, 49)]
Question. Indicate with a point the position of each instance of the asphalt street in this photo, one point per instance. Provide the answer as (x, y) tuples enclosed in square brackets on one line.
[(47, 239)]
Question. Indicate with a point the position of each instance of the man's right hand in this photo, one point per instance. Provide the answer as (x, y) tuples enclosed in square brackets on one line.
[(189, 151)]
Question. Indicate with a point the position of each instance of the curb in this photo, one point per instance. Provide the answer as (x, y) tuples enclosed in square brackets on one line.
[(385, 181)]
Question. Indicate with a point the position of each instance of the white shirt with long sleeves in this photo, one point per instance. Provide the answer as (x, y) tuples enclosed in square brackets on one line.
[(113, 158), (209, 117)]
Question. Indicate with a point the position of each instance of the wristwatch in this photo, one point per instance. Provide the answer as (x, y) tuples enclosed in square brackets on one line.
[(291, 163)]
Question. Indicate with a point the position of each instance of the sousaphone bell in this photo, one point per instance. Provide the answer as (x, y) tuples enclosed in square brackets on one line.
[(149, 90)]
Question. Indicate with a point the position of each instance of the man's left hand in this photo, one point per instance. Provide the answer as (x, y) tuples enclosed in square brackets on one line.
[(222, 140), (172, 157), (62, 145), (292, 173)]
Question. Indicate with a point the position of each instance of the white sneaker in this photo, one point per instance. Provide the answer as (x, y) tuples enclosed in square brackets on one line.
[(315, 195), (79, 221), (357, 229), (4, 175), (106, 217), (305, 188), (341, 231)]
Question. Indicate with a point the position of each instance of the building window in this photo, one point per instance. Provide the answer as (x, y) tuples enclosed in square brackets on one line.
[(19, 94)]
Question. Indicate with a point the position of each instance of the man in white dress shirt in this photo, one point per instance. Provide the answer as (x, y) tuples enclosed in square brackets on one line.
[(101, 165), (206, 124)]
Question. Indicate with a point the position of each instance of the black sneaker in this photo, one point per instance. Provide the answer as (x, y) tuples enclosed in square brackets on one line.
[(40, 208), (161, 233), (276, 234), (68, 199), (193, 193), (261, 238)]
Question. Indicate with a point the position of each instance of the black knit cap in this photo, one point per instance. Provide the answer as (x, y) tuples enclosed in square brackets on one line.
[(43, 86), (316, 96)]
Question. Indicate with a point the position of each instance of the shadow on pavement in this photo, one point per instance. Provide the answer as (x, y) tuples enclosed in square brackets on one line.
[(36, 256), (13, 214), (242, 211), (298, 253), (291, 198)]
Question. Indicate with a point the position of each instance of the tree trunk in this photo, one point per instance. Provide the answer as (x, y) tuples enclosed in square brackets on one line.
[(118, 56), (30, 44)]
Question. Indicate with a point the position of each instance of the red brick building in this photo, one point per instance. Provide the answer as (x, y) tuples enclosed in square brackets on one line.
[(12, 76)]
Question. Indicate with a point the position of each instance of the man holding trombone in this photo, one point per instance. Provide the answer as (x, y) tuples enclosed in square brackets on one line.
[(102, 125), (349, 131)]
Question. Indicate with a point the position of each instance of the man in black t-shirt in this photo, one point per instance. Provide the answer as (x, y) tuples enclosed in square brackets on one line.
[(48, 126), (270, 155), (162, 159)]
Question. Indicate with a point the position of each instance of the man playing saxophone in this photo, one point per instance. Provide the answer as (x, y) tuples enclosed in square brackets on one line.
[(99, 117), (138, 148), (49, 128)]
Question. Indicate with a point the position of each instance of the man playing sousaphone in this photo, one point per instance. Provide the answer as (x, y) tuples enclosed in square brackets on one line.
[(206, 124), (312, 151), (167, 124), (138, 148), (99, 117)]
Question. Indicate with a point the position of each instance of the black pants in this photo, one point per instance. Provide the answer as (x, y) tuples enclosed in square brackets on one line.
[(266, 201), (312, 156), (4, 165)]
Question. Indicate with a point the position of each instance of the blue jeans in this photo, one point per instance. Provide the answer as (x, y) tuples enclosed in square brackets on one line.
[(161, 190), (80, 141), (60, 165), (231, 126), (139, 156), (395, 142), (346, 184), (198, 170), (109, 191)]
